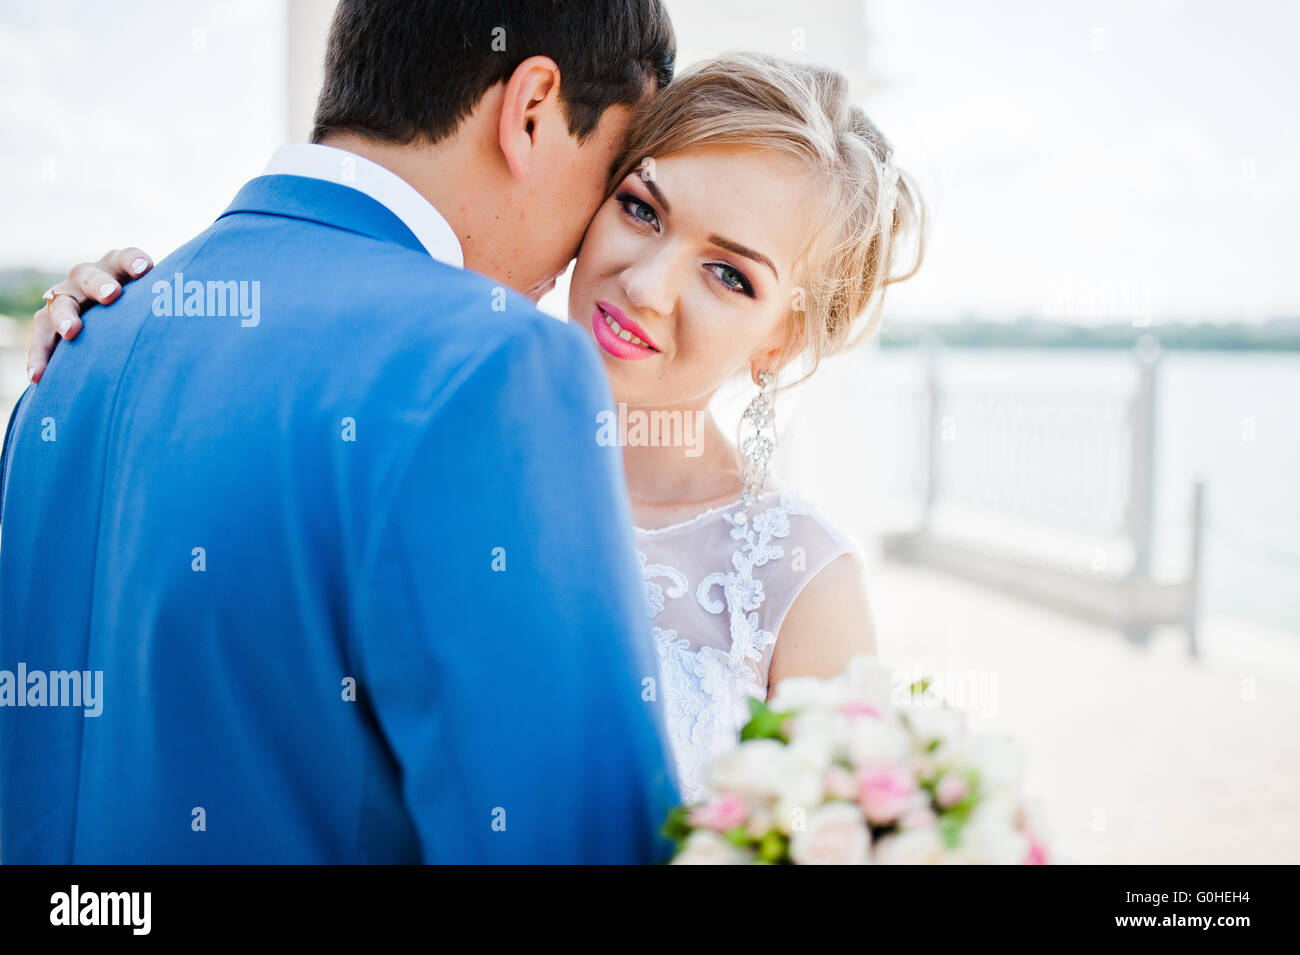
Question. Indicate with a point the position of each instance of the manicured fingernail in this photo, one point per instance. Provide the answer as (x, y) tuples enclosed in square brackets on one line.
[(107, 289), (139, 265), (64, 326), (31, 375)]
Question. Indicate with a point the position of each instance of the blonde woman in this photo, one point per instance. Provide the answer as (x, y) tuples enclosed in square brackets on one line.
[(756, 219)]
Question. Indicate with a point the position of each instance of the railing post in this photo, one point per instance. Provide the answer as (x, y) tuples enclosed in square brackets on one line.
[(1193, 611), (1141, 471), (934, 429)]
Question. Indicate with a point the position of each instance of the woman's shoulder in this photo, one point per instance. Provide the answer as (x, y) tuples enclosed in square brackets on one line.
[(804, 520)]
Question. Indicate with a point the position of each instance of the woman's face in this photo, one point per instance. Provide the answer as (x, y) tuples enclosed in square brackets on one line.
[(695, 257)]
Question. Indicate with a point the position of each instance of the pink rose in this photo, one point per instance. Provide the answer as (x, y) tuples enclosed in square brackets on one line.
[(885, 792), (920, 817), (1037, 854), (835, 834), (861, 708), (722, 813), (952, 789), (839, 782)]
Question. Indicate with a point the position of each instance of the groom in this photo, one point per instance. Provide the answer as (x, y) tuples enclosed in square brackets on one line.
[(342, 572)]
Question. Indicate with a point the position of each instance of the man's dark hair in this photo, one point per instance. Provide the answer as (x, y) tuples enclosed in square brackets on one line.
[(402, 70)]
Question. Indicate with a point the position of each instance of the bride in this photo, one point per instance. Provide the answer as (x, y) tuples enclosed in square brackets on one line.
[(754, 221)]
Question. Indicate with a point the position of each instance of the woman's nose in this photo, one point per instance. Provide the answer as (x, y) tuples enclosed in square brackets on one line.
[(650, 283)]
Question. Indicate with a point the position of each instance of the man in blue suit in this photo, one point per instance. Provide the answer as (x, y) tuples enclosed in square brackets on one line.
[(347, 576)]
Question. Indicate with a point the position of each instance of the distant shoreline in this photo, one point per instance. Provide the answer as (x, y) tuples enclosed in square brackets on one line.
[(1276, 335)]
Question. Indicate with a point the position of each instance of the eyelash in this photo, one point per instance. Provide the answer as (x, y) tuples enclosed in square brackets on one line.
[(745, 289), (627, 200)]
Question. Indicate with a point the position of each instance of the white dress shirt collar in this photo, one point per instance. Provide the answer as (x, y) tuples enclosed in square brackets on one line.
[(390, 190)]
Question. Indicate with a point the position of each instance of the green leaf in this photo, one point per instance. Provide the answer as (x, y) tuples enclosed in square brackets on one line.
[(764, 723), (950, 826), (677, 826), (738, 836), (954, 818), (773, 847)]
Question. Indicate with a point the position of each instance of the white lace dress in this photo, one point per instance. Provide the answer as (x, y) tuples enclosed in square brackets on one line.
[(717, 588)]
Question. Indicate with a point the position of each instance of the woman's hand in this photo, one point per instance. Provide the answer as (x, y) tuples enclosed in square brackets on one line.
[(87, 284)]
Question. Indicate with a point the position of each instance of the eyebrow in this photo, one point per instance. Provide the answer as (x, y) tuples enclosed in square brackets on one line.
[(748, 253), (657, 193), (717, 240)]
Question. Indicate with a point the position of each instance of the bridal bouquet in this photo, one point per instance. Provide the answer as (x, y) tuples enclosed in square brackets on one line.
[(860, 769)]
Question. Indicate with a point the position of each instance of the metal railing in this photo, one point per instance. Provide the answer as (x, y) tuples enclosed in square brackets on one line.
[(1063, 462)]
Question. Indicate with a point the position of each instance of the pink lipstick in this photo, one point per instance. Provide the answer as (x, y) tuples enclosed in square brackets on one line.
[(619, 335)]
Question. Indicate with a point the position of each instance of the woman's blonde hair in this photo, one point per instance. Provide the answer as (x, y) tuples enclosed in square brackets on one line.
[(867, 209)]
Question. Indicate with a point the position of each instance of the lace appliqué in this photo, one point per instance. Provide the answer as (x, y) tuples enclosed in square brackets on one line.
[(706, 689), (654, 594)]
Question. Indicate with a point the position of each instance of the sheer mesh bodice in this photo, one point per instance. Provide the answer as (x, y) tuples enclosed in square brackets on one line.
[(717, 588)]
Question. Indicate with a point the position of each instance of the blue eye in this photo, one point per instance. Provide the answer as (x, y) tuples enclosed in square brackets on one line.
[(732, 278), (637, 209)]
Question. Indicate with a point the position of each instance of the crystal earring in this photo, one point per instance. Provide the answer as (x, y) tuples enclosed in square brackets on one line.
[(757, 448)]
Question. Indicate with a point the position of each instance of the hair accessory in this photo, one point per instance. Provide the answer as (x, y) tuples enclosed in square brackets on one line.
[(888, 194)]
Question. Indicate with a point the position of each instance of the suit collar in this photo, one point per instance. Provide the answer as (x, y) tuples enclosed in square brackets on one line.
[(314, 200), (331, 164)]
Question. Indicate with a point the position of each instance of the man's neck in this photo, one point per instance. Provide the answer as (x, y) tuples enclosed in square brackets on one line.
[(424, 167), (457, 176)]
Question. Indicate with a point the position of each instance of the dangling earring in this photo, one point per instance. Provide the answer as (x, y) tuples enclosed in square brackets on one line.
[(756, 450)]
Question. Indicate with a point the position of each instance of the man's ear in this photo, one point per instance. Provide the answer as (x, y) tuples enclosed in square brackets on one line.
[(532, 94)]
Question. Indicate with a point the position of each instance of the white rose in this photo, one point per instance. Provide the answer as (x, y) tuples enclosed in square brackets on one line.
[(877, 742), (866, 678), (756, 767), (990, 836), (998, 760), (828, 729), (835, 834), (761, 822), (706, 847), (816, 746), (798, 693), (929, 721), (923, 846), (801, 793)]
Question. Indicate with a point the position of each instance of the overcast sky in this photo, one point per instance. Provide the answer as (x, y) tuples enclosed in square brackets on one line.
[(1144, 146), (1097, 160), (132, 121)]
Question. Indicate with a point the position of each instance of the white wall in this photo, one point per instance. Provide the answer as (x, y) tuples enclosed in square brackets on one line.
[(308, 25)]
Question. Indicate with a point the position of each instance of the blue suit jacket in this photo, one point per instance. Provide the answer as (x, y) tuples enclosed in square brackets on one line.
[(359, 579)]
